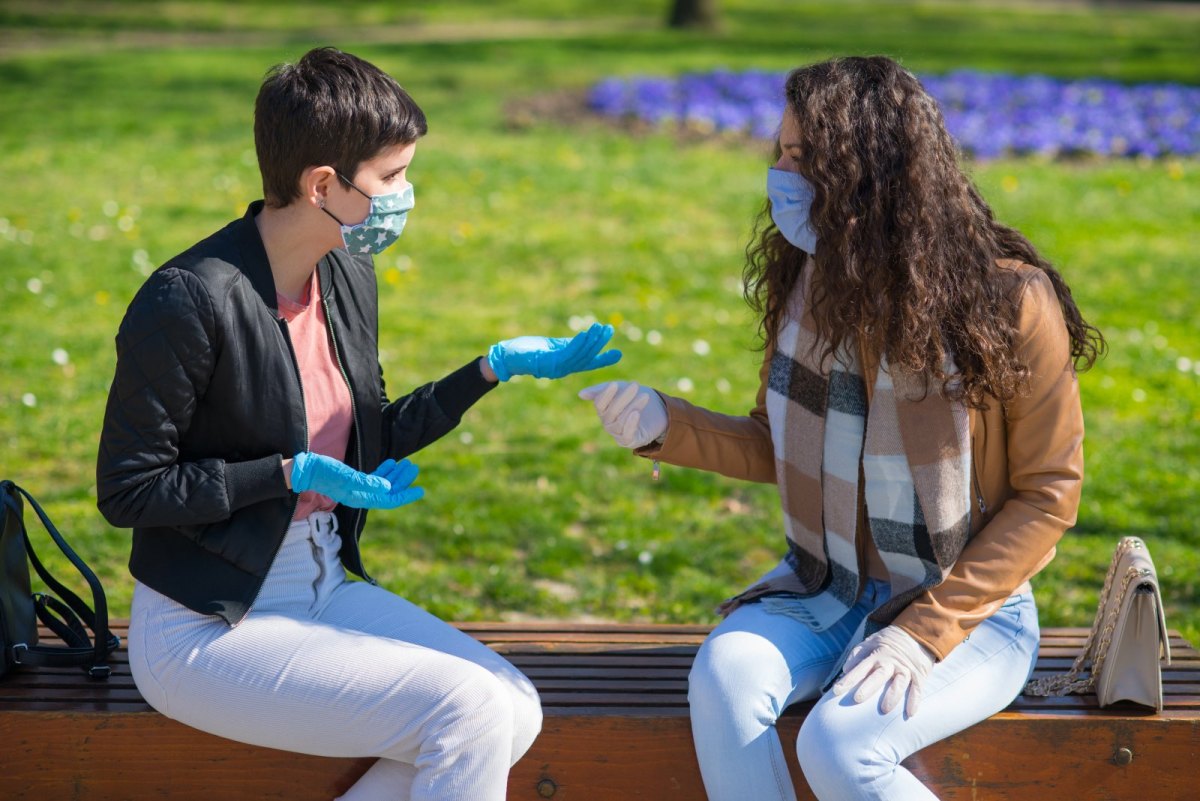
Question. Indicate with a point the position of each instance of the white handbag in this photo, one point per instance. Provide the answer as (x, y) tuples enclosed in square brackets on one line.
[(1128, 640)]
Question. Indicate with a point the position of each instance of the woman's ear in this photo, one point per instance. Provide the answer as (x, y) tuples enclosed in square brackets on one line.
[(316, 183)]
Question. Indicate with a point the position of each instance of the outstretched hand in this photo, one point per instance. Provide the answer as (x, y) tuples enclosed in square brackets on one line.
[(632, 414), (553, 357), (388, 487)]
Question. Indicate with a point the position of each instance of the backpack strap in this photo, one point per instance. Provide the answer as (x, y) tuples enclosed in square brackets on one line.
[(58, 617), (73, 614)]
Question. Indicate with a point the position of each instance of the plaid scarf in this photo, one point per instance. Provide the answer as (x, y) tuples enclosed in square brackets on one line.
[(914, 450)]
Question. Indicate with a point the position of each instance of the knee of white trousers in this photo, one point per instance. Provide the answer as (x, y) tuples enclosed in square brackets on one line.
[(476, 714), (527, 717)]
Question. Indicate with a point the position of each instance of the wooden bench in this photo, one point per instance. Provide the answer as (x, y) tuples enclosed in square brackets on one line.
[(616, 727)]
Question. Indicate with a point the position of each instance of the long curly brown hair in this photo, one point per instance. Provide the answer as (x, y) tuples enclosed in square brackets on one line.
[(906, 261)]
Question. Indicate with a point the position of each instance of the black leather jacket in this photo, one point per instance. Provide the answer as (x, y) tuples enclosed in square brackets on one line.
[(206, 403)]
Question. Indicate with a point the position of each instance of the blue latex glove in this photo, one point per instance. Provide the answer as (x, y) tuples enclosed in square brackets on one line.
[(386, 488), (553, 357), (400, 475)]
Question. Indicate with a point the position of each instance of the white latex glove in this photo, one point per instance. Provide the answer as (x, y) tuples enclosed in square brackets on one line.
[(634, 415), (888, 656)]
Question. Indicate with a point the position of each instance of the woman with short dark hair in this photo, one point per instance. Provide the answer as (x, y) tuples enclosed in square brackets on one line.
[(918, 409), (248, 432)]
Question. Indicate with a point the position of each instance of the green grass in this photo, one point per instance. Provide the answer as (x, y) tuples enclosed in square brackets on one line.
[(114, 164)]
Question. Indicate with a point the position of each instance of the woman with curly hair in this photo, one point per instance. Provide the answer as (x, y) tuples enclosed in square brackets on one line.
[(919, 411)]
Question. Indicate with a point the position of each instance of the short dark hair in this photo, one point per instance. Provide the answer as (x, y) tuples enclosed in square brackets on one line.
[(328, 108)]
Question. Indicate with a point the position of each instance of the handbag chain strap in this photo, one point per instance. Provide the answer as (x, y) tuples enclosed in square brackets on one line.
[(1099, 638)]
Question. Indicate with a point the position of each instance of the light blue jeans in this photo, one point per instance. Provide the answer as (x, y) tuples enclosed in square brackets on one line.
[(756, 663)]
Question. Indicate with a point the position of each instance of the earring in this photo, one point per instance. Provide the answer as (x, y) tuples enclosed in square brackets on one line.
[(321, 203)]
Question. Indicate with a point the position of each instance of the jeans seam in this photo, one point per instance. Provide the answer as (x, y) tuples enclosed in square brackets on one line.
[(776, 755), (783, 779)]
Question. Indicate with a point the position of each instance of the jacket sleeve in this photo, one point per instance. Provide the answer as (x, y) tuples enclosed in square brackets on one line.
[(734, 446), (430, 411), (166, 349), (1044, 442)]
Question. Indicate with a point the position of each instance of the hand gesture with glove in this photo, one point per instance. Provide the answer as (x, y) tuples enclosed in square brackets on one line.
[(553, 357), (633, 414), (389, 487), (892, 657)]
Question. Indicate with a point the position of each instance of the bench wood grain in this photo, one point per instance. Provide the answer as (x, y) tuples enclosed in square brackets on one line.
[(616, 727)]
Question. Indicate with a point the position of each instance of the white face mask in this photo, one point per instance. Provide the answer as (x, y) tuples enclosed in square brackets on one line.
[(791, 197), (383, 224)]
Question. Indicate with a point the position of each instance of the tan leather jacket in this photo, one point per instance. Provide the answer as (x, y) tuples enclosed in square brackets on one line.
[(1027, 469)]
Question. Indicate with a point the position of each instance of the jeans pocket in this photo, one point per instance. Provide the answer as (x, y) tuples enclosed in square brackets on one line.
[(1021, 610)]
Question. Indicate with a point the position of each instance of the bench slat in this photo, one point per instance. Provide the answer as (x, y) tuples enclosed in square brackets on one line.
[(616, 728), (644, 756)]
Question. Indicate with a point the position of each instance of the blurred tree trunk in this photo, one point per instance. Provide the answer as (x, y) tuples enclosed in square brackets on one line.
[(693, 14)]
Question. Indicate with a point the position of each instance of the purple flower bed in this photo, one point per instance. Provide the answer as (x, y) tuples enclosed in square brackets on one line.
[(988, 114)]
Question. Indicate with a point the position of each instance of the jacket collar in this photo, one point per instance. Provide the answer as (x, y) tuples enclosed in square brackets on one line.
[(257, 267), (254, 256)]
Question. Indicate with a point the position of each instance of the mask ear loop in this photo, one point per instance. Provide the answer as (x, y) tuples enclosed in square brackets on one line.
[(351, 184), (321, 206), (321, 200)]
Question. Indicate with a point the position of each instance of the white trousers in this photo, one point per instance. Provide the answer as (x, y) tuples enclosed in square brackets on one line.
[(323, 665)]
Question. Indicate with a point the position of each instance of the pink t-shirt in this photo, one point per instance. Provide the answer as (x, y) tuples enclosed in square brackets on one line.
[(326, 395)]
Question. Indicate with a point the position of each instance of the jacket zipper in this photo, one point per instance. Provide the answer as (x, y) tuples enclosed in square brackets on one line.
[(296, 499), (337, 355), (975, 482)]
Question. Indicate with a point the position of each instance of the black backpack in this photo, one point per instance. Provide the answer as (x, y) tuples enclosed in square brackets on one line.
[(21, 608)]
